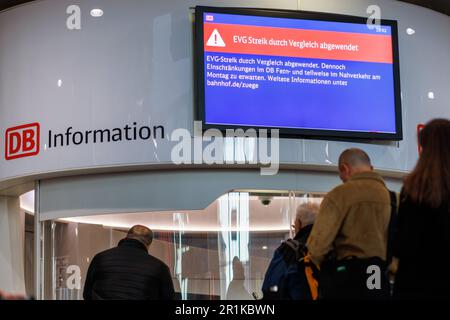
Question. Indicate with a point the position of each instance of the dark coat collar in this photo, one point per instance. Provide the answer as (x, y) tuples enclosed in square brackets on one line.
[(126, 242), (303, 233)]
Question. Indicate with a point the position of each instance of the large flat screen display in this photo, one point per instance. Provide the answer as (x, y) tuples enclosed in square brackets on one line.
[(305, 73)]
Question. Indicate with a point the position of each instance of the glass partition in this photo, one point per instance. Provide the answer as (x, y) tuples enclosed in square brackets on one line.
[(221, 252)]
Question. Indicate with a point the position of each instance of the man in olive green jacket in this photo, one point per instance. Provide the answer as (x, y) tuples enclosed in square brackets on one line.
[(352, 227)]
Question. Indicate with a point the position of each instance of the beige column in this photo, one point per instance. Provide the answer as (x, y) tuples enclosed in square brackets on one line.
[(12, 278)]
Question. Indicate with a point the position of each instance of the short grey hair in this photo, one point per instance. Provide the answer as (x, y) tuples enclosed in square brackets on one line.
[(307, 213), (354, 157)]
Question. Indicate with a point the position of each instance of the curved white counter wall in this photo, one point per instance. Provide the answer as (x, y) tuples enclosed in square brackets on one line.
[(135, 64)]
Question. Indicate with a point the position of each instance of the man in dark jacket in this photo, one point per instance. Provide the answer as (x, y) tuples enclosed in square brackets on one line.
[(128, 272)]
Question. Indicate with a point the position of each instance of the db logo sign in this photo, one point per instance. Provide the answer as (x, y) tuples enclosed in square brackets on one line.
[(22, 141)]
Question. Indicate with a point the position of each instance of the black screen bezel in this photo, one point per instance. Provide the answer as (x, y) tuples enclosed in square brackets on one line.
[(294, 132)]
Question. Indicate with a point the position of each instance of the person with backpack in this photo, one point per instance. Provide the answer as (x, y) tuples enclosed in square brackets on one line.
[(286, 278), (349, 240)]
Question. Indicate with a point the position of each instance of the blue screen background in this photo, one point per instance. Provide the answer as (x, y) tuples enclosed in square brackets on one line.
[(363, 105)]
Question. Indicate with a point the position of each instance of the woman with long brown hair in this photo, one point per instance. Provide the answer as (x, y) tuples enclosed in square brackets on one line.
[(423, 229)]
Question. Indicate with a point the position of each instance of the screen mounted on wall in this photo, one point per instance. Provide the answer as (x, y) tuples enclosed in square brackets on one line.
[(305, 73)]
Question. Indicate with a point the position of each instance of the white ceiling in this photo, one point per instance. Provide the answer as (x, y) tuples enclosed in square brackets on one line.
[(221, 215), (261, 218)]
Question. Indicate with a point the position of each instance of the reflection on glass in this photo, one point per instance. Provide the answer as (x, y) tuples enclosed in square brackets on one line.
[(221, 252), (236, 288)]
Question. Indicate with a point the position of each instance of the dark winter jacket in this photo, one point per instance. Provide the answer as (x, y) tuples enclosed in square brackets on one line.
[(128, 272), (423, 249)]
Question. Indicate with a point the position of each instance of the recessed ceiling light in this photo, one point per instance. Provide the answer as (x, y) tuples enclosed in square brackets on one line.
[(431, 95), (410, 31), (264, 247), (96, 13)]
